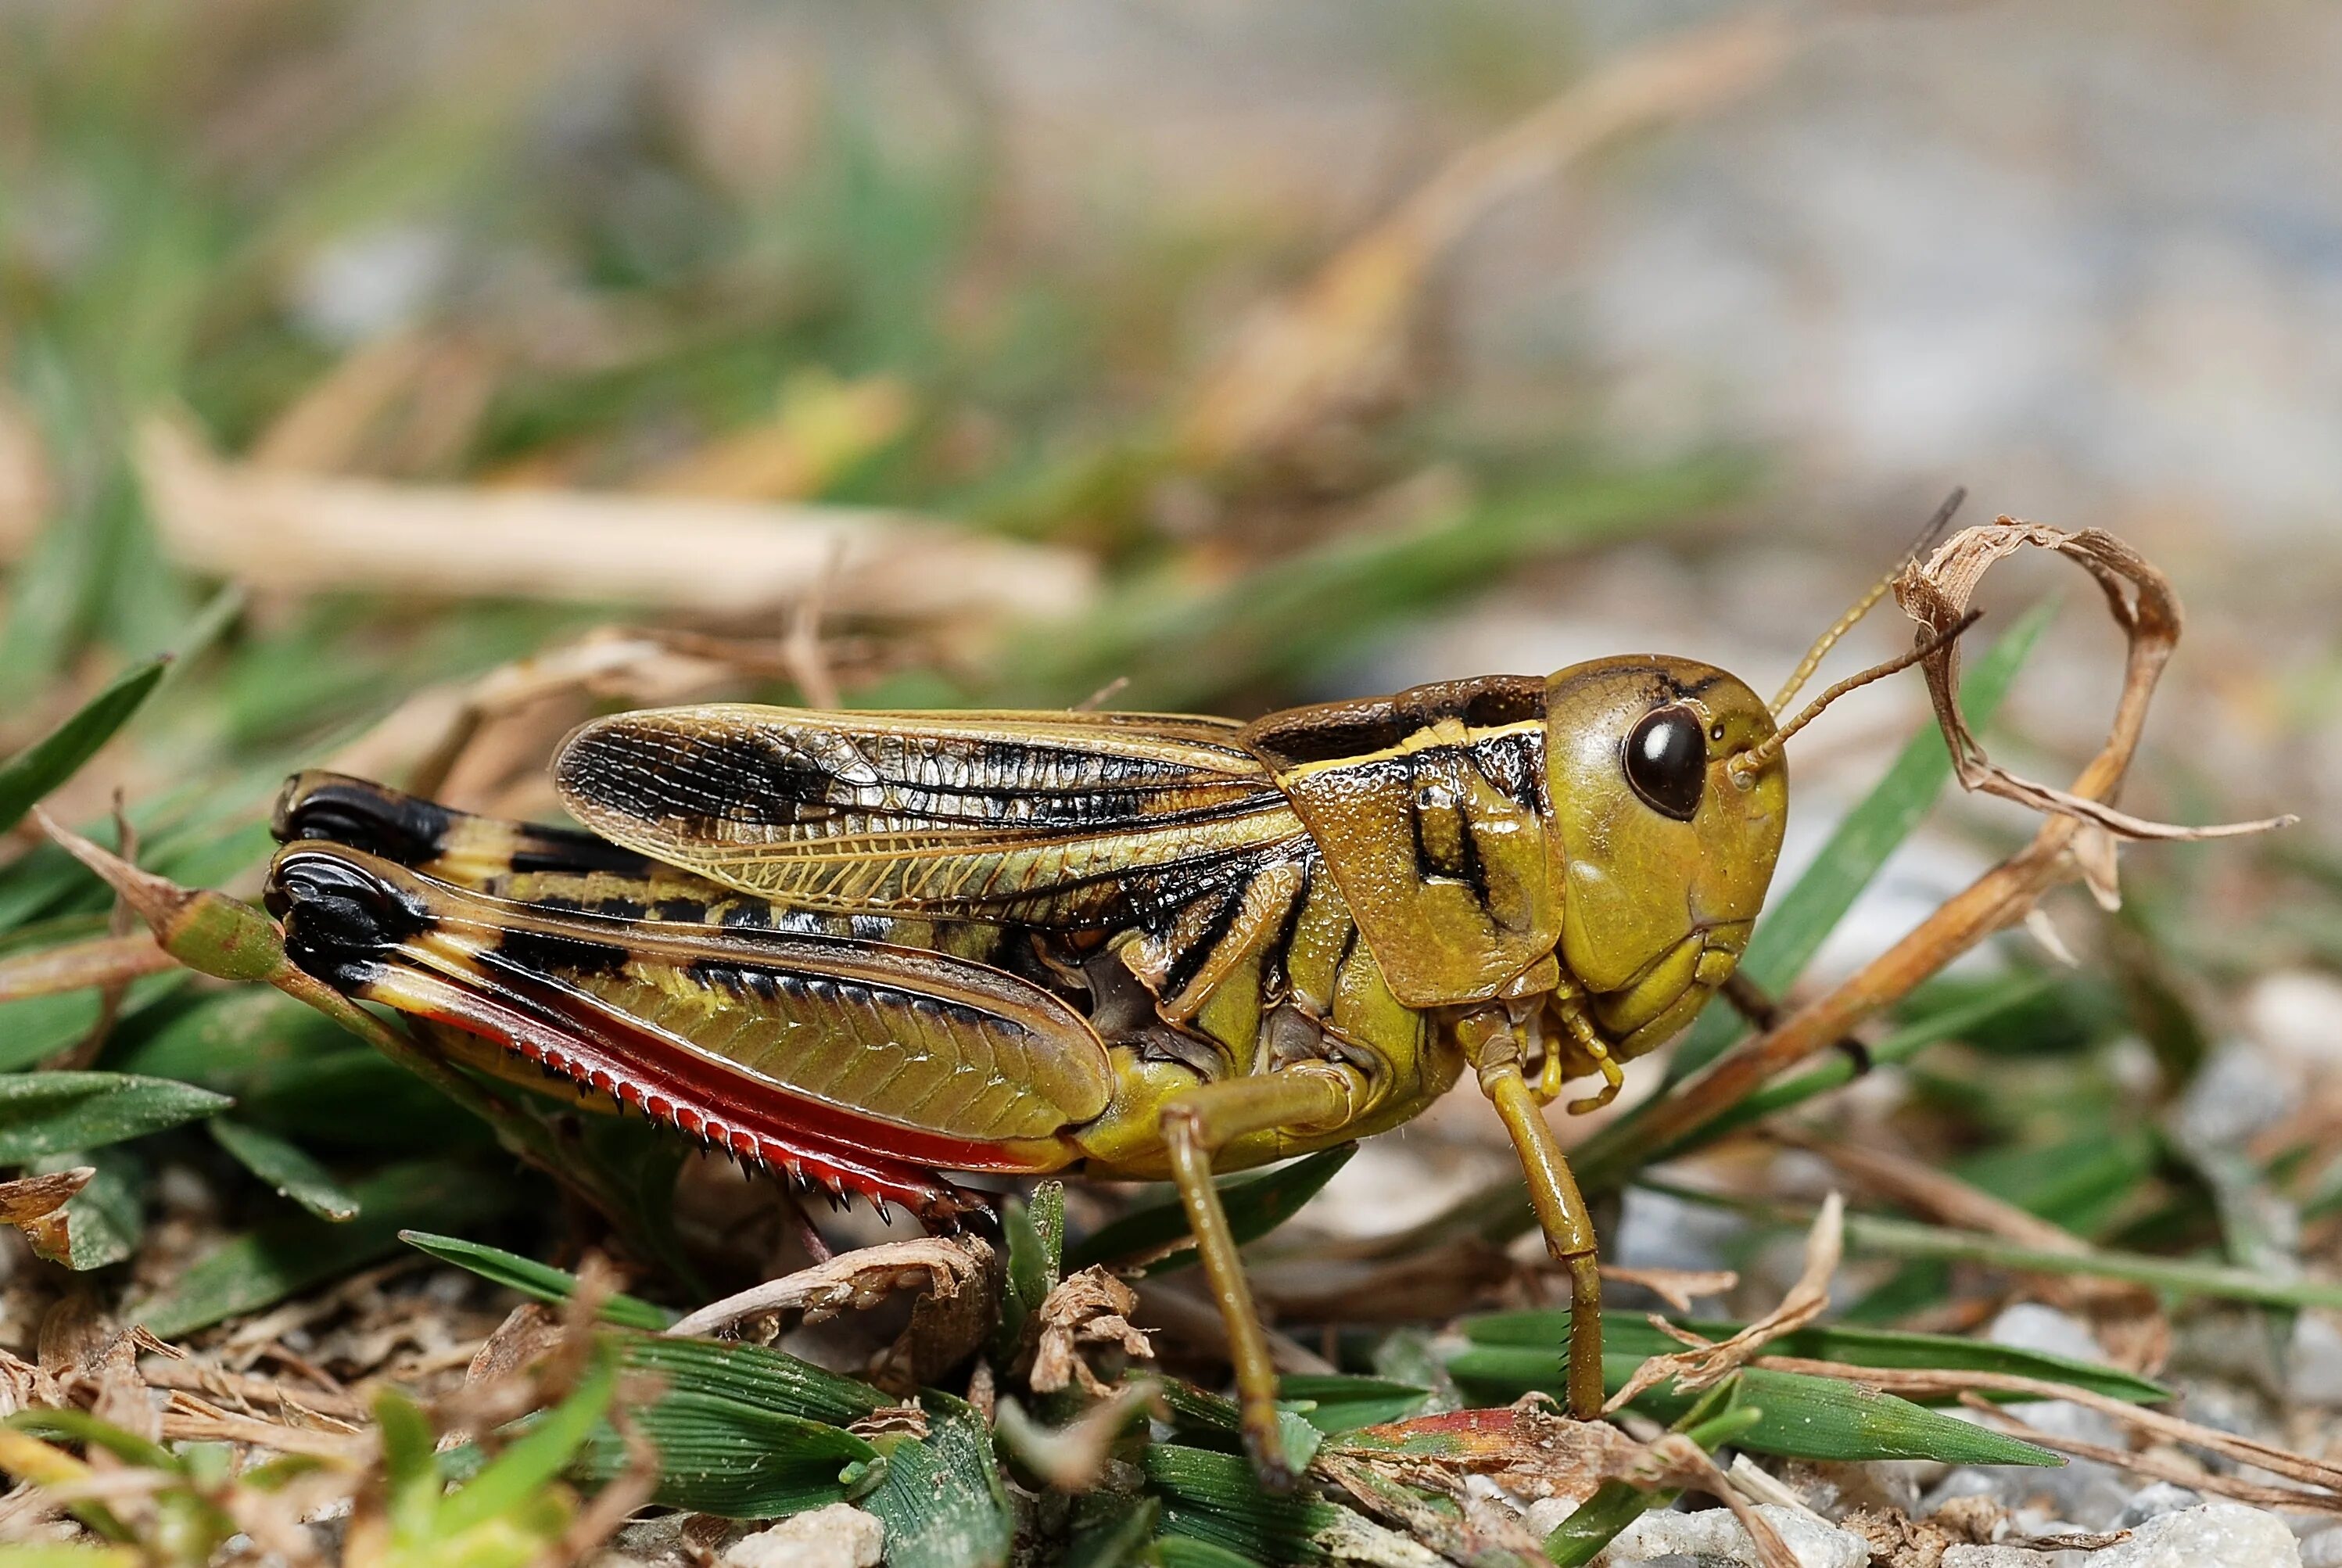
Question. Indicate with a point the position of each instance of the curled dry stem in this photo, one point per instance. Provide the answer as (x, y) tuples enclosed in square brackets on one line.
[(1704, 1365), (2077, 840)]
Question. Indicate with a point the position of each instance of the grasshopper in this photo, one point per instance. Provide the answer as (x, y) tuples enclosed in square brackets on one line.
[(862, 950)]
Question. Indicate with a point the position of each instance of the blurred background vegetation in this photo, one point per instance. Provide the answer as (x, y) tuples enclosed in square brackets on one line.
[(433, 374)]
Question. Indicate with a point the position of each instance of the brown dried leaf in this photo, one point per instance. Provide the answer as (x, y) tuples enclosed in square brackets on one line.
[(1676, 1287), (1093, 1307), (1936, 596), (36, 1205)]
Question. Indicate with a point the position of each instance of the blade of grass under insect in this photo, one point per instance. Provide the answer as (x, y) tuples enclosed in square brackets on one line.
[(284, 1167), (1036, 1253), (1806, 1417), (1632, 1335), (53, 1112), (735, 1461), (1257, 1203), (1344, 1403), (942, 1500), (56, 756), (1213, 1498), (1110, 1532), (750, 1375), (1911, 1239), (531, 1278), (1800, 920), (262, 1267)]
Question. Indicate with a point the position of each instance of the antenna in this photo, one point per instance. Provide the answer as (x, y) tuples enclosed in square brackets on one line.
[(1744, 767), (1861, 606)]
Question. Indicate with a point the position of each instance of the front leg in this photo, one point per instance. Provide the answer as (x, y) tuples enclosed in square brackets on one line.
[(1494, 1050), (1307, 1097)]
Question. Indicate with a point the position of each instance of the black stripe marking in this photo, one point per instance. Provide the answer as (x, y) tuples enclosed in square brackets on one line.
[(552, 953), (1190, 959)]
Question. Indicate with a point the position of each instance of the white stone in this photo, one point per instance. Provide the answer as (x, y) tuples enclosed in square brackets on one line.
[(2215, 1535), (1713, 1538), (837, 1536)]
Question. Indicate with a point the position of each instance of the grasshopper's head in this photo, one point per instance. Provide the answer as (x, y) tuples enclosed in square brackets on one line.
[(1664, 847)]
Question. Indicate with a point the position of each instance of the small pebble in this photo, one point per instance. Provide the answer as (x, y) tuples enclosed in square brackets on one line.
[(2154, 1502), (1714, 1536), (837, 1536), (2323, 1549)]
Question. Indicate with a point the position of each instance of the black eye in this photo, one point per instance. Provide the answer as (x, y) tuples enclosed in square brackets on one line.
[(1667, 762)]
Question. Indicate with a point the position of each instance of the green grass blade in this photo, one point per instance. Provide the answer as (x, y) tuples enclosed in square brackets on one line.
[(734, 1461), (55, 1112), (286, 1167), (531, 1278), (56, 756), (519, 1473), (942, 1500), (1800, 920), (1257, 1202), (262, 1267), (80, 1426), (1342, 1402), (1213, 1498), (1632, 1336), (1806, 1417)]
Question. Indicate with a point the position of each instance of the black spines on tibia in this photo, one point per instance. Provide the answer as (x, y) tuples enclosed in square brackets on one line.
[(339, 918)]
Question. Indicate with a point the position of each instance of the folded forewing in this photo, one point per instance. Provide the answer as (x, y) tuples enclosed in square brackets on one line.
[(1056, 819)]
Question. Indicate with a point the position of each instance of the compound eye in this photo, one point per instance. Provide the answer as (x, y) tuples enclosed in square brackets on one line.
[(1667, 762)]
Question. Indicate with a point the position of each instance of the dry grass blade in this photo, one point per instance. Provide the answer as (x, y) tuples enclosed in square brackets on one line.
[(1072, 1457), (302, 532), (937, 1265), (1334, 342), (1704, 1365), (77, 966), (1676, 1287)]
